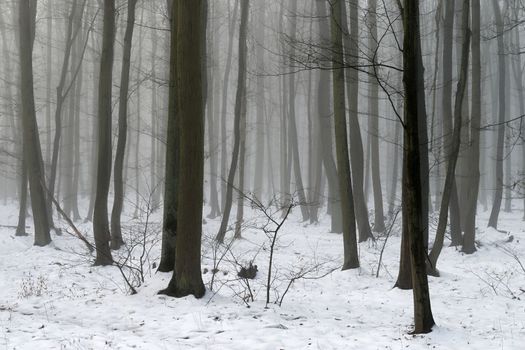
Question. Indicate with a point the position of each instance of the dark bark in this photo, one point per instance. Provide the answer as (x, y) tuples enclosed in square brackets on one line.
[(32, 149), (412, 190), (171, 182), (187, 279), (100, 215)]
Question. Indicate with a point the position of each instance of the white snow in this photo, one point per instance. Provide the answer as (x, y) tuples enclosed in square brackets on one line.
[(52, 298)]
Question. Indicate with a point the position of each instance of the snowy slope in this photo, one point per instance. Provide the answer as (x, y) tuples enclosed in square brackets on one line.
[(52, 298)]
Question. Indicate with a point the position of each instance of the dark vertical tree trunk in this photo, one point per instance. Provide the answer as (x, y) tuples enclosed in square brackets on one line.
[(171, 182), (412, 190), (239, 100), (32, 150), (187, 277), (118, 184), (100, 215), (448, 41), (351, 259)]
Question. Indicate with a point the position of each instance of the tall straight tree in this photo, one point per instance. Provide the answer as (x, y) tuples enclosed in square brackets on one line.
[(240, 99), (32, 149), (116, 231), (187, 279), (412, 190), (351, 259), (498, 194), (469, 245), (169, 224), (373, 115), (100, 214), (351, 47), (455, 146)]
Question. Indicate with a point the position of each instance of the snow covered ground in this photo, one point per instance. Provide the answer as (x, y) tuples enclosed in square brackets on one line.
[(52, 298)]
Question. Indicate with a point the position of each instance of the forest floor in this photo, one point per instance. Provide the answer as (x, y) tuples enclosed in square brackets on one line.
[(53, 298)]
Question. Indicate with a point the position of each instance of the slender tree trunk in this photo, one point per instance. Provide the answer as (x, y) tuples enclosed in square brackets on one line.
[(455, 146), (469, 237), (351, 259), (351, 46), (373, 114), (239, 100), (224, 106), (118, 184), (498, 194)]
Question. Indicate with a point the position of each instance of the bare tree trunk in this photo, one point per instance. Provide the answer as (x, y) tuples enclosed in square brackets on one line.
[(32, 149), (116, 230), (62, 92), (260, 102), (351, 259), (412, 190), (373, 114), (455, 146), (171, 185), (100, 215), (351, 46), (325, 125), (186, 278), (224, 105), (240, 98), (469, 237), (496, 204)]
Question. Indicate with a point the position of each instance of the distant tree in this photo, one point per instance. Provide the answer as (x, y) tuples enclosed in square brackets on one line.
[(351, 260), (187, 277), (116, 230), (498, 194), (100, 215), (239, 101)]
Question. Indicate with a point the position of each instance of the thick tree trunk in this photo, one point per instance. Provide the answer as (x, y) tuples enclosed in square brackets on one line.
[(187, 279), (171, 182), (412, 190), (100, 215), (32, 151)]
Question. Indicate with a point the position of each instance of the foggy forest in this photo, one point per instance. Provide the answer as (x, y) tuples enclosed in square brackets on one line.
[(279, 174)]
